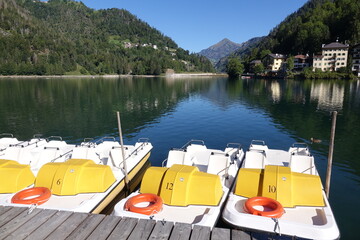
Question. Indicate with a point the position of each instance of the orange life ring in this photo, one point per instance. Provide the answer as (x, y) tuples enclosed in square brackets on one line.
[(155, 204), (36, 195), (276, 212)]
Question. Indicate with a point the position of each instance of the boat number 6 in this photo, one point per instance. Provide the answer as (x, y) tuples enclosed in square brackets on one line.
[(169, 186), (272, 189), (58, 182)]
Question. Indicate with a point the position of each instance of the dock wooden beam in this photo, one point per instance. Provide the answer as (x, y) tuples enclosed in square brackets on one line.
[(18, 223)]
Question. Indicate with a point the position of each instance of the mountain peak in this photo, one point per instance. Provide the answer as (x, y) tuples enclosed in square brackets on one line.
[(220, 50)]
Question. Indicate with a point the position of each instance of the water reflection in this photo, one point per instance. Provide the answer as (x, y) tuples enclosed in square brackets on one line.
[(275, 91), (329, 96), (218, 110), (355, 94), (79, 108)]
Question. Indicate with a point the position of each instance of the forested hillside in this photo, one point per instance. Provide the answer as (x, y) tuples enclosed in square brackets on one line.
[(66, 37), (317, 22)]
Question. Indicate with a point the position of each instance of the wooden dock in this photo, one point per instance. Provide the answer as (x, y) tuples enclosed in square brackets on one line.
[(18, 223)]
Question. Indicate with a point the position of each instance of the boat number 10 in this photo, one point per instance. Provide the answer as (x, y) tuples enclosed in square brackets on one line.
[(272, 189)]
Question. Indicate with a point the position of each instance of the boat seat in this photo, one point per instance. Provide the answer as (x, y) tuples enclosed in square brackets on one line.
[(49, 154), (85, 153), (103, 149), (175, 157), (20, 154), (218, 164), (199, 157), (6, 142), (255, 159), (302, 164)]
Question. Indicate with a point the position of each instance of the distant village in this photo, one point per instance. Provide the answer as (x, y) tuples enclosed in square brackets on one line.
[(334, 56)]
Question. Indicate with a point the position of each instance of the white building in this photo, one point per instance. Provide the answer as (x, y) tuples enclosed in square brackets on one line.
[(274, 62), (334, 56)]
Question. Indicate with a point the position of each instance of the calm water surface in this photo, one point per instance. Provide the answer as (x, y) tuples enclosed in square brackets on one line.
[(217, 110)]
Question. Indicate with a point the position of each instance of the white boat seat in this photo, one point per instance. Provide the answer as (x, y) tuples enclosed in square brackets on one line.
[(175, 157), (199, 157), (302, 164), (103, 149), (218, 164), (255, 159), (48, 155), (6, 142), (20, 154), (85, 153)]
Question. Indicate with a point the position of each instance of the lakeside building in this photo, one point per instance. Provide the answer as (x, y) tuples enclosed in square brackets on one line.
[(274, 62), (334, 56), (301, 62), (356, 59)]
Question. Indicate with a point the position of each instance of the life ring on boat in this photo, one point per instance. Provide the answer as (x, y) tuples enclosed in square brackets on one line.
[(35, 195), (155, 204), (276, 211)]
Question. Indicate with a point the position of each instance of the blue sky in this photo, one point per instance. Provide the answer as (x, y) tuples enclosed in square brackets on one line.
[(197, 24)]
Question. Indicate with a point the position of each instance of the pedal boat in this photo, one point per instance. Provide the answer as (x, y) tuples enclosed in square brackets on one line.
[(191, 187), (21, 161), (286, 177), (6, 140), (91, 178)]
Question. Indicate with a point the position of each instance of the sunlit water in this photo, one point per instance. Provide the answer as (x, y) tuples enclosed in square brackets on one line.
[(172, 111)]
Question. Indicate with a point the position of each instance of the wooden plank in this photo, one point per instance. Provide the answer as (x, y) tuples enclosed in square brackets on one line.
[(17, 221), (86, 227), (162, 230), (4, 209), (69, 225), (50, 225), (181, 231), (105, 228), (272, 236), (123, 229), (31, 225), (238, 234), (200, 233), (142, 230), (220, 234), (10, 214)]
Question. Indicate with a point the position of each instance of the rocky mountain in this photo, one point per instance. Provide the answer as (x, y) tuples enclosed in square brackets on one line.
[(219, 50), (242, 48)]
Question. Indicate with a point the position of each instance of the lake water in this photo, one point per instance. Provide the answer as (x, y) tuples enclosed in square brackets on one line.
[(217, 110)]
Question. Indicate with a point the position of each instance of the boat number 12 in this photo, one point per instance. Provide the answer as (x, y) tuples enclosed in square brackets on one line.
[(169, 186), (272, 189)]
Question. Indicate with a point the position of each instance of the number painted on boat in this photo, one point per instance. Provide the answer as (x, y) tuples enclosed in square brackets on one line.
[(272, 189), (58, 182), (169, 186)]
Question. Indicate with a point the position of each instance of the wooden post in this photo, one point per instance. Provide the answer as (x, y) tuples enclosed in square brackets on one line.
[(330, 156), (123, 152)]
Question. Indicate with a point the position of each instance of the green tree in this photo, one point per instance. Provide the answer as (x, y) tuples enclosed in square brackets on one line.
[(259, 68), (234, 67), (290, 63)]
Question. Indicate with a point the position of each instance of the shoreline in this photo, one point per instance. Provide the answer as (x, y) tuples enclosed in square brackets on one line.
[(174, 75)]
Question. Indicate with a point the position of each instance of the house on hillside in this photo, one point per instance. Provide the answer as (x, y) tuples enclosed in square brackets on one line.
[(334, 56), (356, 59), (301, 62), (274, 62)]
